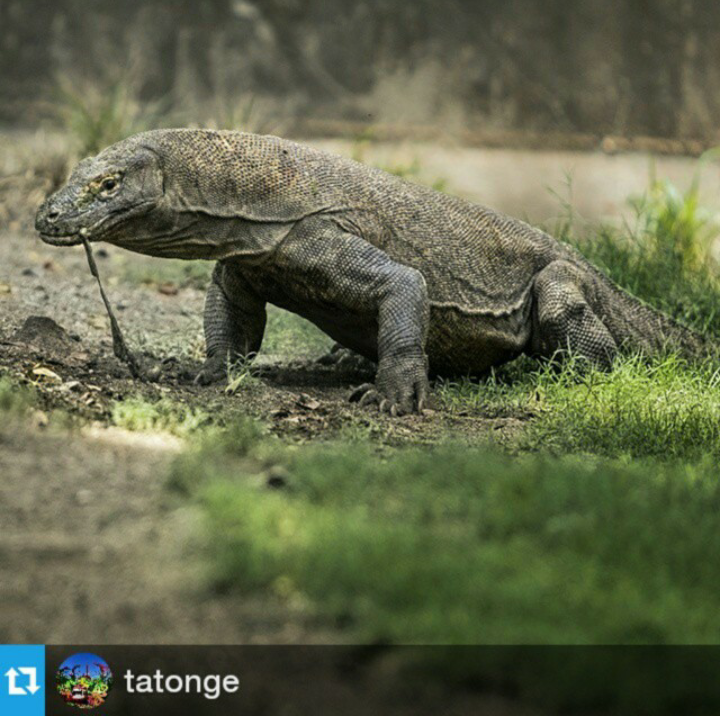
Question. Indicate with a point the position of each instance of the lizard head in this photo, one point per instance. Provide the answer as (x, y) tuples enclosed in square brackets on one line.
[(104, 197)]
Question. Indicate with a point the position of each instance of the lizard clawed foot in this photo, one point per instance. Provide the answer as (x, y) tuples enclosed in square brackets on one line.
[(345, 359), (335, 355), (399, 390), (214, 370), (403, 402)]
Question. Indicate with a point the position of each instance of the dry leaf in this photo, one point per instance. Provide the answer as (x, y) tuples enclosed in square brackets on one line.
[(306, 401), (168, 288), (40, 371)]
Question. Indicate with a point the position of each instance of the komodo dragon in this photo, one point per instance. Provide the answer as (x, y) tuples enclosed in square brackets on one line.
[(408, 277)]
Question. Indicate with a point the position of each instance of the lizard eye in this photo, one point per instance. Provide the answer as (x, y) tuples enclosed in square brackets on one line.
[(109, 184)]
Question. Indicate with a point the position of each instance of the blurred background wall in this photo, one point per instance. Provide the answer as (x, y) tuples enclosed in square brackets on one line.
[(620, 67)]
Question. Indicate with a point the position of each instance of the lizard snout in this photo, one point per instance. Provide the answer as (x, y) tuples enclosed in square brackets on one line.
[(47, 216), (49, 224)]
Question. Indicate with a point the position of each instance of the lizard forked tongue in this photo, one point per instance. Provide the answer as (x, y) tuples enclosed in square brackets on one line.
[(120, 348)]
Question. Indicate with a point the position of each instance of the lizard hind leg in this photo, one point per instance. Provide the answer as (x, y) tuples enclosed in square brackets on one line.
[(563, 319)]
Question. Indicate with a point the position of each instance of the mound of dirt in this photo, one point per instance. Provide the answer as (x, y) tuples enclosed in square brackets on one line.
[(46, 335)]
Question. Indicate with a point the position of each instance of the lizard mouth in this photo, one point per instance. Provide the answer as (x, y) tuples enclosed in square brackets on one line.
[(61, 240)]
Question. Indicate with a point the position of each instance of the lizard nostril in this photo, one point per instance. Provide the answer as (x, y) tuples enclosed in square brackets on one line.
[(53, 215)]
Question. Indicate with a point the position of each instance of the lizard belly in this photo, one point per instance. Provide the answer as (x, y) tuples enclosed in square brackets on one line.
[(456, 344), (460, 344)]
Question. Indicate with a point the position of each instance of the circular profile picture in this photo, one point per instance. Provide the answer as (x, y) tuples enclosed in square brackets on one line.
[(84, 680)]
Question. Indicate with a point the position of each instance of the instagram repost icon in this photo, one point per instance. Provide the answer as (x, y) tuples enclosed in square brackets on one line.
[(84, 680)]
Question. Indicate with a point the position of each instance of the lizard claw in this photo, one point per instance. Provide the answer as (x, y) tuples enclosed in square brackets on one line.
[(394, 401), (359, 392), (372, 396), (214, 370), (333, 356)]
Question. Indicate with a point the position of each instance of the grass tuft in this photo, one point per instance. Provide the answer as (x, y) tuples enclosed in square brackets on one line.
[(14, 400), (241, 375), (141, 415), (664, 256), (96, 115), (664, 408)]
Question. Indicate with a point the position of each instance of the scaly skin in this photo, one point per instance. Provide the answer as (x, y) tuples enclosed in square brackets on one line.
[(410, 278)]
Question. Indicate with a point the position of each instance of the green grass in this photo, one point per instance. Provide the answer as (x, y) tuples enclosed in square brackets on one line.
[(663, 256), (291, 336), (240, 376), (15, 401), (464, 546), (143, 415), (663, 408)]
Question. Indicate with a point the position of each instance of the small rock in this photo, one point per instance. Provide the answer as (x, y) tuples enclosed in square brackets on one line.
[(29, 272), (5, 288), (44, 333)]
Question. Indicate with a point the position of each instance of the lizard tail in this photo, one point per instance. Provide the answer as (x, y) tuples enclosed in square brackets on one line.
[(639, 327)]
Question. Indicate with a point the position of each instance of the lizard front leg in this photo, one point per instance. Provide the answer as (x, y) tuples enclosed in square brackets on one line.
[(366, 287), (234, 323), (401, 384)]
